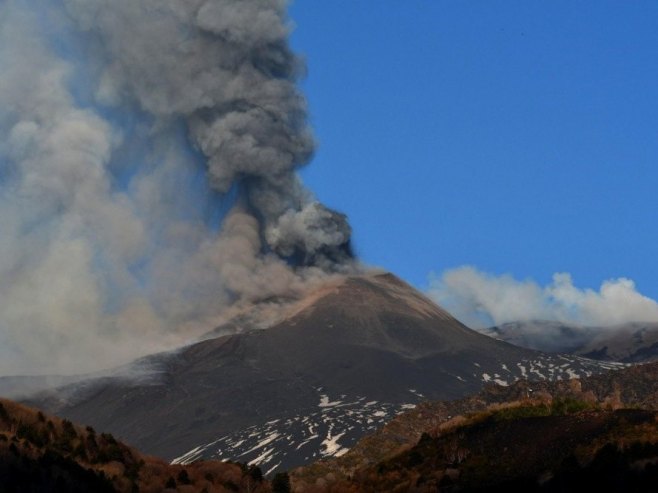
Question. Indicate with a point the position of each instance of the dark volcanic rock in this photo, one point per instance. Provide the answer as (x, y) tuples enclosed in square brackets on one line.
[(350, 356)]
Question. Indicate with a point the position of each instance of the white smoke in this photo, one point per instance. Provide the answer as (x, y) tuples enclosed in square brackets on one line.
[(482, 300), (128, 128)]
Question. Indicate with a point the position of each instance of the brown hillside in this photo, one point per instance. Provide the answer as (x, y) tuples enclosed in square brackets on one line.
[(514, 450), (524, 448), (635, 387), (40, 453)]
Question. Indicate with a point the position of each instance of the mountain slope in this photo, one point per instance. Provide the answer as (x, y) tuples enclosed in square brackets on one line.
[(525, 448), (635, 388), (629, 343), (348, 357), (43, 454), (530, 436)]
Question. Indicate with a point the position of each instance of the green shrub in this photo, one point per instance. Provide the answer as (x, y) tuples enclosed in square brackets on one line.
[(559, 407), (569, 406), (519, 412)]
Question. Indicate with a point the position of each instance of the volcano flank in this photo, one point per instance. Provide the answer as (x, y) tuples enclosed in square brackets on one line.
[(348, 357)]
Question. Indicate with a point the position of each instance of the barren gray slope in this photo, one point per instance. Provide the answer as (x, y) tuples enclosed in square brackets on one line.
[(631, 342), (368, 338)]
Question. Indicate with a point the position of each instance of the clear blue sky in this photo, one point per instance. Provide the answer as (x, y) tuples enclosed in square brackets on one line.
[(517, 136)]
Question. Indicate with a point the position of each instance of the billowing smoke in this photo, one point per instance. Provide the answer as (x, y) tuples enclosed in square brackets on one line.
[(482, 300), (224, 68), (148, 157)]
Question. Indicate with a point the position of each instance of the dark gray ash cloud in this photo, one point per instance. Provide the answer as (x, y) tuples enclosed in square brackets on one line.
[(110, 110)]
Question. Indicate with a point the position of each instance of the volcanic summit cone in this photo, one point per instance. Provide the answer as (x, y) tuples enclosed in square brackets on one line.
[(349, 356)]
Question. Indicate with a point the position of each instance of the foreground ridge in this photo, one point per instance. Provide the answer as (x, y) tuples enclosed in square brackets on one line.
[(598, 432), (528, 410), (41, 453)]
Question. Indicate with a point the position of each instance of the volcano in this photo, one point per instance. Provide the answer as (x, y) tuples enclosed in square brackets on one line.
[(347, 358)]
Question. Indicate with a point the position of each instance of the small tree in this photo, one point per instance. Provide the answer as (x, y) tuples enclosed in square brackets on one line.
[(281, 483), (183, 477), (69, 430), (4, 415), (255, 473)]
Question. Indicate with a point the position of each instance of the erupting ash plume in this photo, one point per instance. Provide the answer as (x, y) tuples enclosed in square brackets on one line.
[(148, 157)]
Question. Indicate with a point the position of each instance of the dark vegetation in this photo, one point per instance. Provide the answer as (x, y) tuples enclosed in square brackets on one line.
[(599, 432), (524, 448), (44, 454), (281, 483)]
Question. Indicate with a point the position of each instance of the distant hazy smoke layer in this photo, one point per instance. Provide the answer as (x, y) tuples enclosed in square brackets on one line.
[(482, 300), (148, 151)]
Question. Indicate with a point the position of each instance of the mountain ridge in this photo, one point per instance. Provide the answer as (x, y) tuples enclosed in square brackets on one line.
[(633, 342)]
